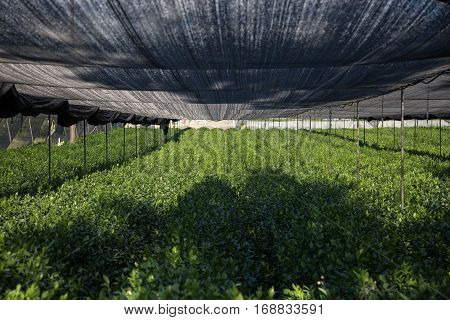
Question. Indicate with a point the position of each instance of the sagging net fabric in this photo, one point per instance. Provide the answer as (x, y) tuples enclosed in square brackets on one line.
[(13, 103), (224, 59), (425, 100)]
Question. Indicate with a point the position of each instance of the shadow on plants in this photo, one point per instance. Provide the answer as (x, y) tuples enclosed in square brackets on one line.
[(83, 252), (224, 240), (276, 231)]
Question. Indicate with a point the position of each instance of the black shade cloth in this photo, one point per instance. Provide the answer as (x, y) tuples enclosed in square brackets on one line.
[(102, 117), (9, 100), (221, 59), (137, 120), (425, 100), (149, 121), (162, 121), (124, 118), (73, 114), (13, 103), (33, 106)]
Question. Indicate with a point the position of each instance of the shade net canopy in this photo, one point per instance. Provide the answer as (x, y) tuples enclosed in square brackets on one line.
[(425, 100), (225, 59)]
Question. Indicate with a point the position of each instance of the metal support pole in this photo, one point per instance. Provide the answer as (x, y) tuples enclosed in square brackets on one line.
[(377, 132), (343, 130), (146, 137), (123, 147), (364, 130), (394, 135), (440, 137), (84, 147), (403, 149), (428, 106), (310, 127), (136, 131), (279, 135), (357, 142), (329, 144), (106, 143), (415, 133), (49, 150), (286, 139), (353, 129), (297, 123)]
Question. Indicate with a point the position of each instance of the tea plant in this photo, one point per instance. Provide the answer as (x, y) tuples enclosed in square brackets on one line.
[(231, 214)]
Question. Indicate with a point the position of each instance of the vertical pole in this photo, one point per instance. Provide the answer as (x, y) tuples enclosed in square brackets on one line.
[(279, 140), (394, 134), (428, 106), (440, 137), (123, 147), (343, 130), (31, 130), (310, 127), (106, 143), (297, 123), (353, 129), (357, 142), (279, 133), (377, 132), (49, 151), (403, 149), (84, 147), (364, 131), (146, 137), (314, 126), (415, 133), (287, 139), (154, 135), (136, 131), (329, 144), (382, 113)]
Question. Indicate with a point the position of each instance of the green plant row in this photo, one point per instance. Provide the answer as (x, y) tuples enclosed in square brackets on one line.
[(25, 170), (232, 214)]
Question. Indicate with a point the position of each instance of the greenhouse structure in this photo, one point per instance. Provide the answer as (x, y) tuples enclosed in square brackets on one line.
[(321, 170)]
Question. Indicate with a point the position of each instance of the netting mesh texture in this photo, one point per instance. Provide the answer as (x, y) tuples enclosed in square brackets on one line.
[(230, 59)]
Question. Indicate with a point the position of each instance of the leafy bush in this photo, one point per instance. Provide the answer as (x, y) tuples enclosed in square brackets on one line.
[(228, 215)]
